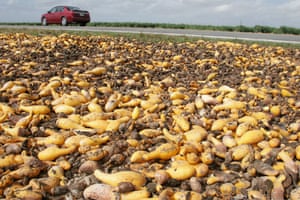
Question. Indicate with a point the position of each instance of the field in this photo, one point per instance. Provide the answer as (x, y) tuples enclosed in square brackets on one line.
[(118, 117)]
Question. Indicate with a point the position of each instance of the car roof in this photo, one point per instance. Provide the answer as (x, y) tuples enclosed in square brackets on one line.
[(66, 6)]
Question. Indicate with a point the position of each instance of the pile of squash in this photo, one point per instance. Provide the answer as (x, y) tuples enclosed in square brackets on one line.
[(100, 117)]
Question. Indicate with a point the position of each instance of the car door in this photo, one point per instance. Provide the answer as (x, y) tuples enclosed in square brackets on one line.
[(58, 14), (55, 15), (51, 15)]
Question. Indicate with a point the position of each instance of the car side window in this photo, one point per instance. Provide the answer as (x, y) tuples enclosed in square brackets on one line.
[(53, 10), (60, 9)]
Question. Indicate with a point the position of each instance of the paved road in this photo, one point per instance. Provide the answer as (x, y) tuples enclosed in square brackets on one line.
[(280, 38)]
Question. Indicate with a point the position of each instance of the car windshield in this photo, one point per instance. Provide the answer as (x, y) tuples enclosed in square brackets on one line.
[(73, 8)]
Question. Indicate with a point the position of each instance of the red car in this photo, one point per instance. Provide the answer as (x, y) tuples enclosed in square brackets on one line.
[(65, 15)]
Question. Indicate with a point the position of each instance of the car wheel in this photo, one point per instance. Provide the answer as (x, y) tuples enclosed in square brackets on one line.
[(44, 21), (82, 24), (64, 21)]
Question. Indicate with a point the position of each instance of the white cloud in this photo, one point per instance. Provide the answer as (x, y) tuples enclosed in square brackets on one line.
[(291, 6), (213, 12), (222, 8), (10, 2)]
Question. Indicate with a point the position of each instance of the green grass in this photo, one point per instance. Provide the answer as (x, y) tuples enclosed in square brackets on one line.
[(239, 28), (140, 36)]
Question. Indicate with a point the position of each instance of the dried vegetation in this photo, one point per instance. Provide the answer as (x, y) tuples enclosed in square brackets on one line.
[(115, 118)]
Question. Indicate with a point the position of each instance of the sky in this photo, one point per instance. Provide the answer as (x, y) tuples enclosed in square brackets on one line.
[(274, 13)]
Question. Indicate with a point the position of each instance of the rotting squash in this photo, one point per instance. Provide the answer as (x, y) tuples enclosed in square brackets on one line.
[(180, 120), (114, 179)]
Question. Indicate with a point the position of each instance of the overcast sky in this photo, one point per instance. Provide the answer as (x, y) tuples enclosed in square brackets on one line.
[(273, 13)]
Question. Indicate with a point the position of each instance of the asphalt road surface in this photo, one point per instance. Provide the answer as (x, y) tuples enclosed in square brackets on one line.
[(277, 38)]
